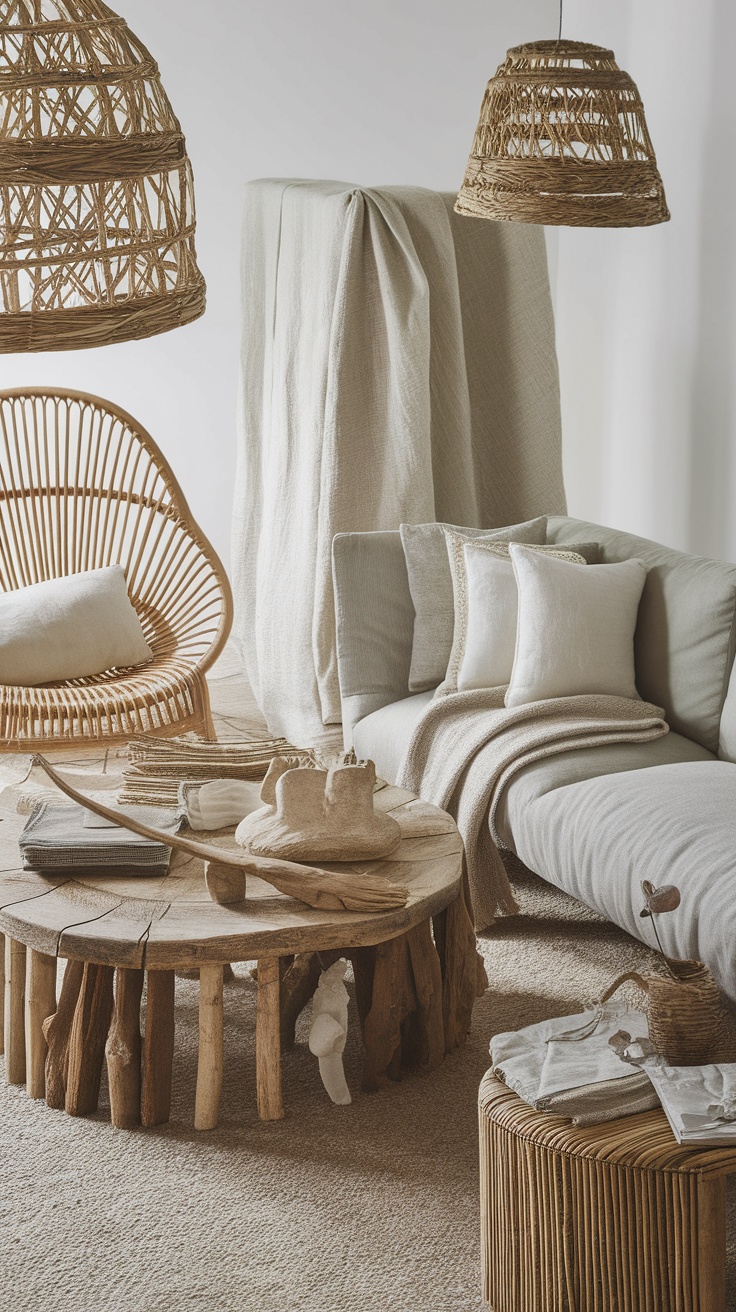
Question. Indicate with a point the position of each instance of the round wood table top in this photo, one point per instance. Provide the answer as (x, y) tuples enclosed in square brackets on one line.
[(170, 921)]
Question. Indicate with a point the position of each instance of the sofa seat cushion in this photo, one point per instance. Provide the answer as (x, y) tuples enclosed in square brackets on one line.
[(384, 735), (672, 824), (586, 763)]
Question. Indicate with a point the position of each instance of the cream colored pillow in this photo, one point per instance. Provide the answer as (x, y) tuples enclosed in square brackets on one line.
[(484, 585), (430, 585), (70, 627), (575, 628)]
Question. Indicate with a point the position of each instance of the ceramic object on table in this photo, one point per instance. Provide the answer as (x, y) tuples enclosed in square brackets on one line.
[(319, 815)]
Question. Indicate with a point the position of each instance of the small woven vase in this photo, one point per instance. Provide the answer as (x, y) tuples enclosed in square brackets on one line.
[(687, 1019), (688, 1023)]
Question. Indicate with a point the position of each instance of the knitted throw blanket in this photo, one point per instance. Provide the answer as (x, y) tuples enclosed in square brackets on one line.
[(468, 746)]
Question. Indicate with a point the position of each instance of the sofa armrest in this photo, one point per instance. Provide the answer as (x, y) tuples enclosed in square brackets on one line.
[(374, 619)]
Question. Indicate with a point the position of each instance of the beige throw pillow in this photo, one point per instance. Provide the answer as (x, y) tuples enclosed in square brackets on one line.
[(70, 627), (485, 591), (575, 628), (430, 584)]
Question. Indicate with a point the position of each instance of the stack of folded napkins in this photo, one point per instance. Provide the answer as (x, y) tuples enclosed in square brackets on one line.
[(71, 837), (158, 765), (700, 1101), (568, 1065)]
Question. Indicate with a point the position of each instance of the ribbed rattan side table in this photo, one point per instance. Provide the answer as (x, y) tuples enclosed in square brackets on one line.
[(614, 1218)]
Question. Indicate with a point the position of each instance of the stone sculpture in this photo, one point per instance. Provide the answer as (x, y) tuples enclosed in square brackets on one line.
[(319, 815), (329, 1031)]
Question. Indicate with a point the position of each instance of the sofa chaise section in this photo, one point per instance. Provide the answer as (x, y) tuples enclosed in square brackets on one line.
[(662, 810)]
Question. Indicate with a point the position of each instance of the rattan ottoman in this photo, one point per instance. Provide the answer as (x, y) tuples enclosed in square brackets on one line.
[(615, 1218)]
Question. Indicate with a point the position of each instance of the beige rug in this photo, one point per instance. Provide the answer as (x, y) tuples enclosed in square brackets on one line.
[(366, 1208)]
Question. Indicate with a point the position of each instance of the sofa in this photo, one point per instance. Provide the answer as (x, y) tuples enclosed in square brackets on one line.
[(594, 821)]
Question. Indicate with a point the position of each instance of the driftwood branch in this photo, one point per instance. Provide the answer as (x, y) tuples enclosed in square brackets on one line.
[(325, 889)]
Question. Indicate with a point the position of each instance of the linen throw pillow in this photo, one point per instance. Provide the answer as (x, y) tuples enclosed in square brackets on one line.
[(485, 590), (430, 585), (575, 628), (70, 627)]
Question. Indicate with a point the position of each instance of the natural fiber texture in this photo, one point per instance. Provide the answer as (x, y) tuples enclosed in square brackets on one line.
[(467, 747), (366, 1208), (687, 1018), (158, 767), (96, 193), (83, 486), (562, 139), (614, 1216), (380, 383)]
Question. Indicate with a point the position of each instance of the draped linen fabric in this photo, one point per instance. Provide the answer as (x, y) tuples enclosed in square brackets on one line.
[(398, 364)]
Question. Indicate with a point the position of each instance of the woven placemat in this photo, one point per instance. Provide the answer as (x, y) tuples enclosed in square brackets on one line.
[(157, 766)]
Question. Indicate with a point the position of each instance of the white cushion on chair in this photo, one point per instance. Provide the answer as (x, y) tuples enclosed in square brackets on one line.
[(70, 627)]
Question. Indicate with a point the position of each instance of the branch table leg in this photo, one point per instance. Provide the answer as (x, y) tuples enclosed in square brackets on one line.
[(209, 1068), (87, 1039), (123, 1050), (364, 965), (40, 1004), (158, 1048), (463, 979), (298, 984), (268, 1040), (427, 975), (56, 1030), (394, 1000), (15, 989)]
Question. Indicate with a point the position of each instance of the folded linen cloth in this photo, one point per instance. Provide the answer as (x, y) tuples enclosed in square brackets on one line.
[(467, 747), (62, 838), (583, 1078), (219, 803), (157, 766), (699, 1101)]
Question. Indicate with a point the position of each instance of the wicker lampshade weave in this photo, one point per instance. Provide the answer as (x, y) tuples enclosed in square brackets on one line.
[(96, 195), (562, 139)]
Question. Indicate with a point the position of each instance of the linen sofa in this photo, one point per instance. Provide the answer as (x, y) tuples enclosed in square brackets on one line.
[(593, 821)]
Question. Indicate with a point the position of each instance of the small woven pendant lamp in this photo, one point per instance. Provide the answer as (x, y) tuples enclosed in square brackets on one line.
[(562, 139), (96, 193)]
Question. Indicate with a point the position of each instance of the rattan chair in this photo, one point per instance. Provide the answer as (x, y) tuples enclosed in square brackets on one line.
[(83, 486)]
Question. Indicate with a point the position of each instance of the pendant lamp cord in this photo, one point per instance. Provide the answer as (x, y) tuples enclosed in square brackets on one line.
[(559, 33)]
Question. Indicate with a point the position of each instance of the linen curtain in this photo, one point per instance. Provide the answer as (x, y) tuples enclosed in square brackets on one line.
[(398, 364)]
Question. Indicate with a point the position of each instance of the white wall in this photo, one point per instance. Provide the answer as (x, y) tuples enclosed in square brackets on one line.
[(646, 318), (388, 91), (370, 91)]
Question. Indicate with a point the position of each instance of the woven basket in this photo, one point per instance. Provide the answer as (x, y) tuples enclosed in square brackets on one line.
[(562, 139), (96, 195), (688, 1022)]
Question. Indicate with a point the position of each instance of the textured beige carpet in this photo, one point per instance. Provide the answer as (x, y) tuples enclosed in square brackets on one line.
[(366, 1208)]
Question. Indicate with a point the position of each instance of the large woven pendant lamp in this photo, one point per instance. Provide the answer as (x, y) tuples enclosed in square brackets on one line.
[(96, 194), (562, 139)]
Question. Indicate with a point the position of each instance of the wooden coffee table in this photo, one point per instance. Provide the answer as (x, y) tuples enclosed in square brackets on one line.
[(417, 972)]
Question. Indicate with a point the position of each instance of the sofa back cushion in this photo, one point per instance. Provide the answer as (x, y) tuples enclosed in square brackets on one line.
[(686, 630), (374, 619), (684, 643)]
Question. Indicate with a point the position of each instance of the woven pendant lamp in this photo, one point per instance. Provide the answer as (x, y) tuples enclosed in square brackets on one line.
[(562, 139), (96, 194)]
